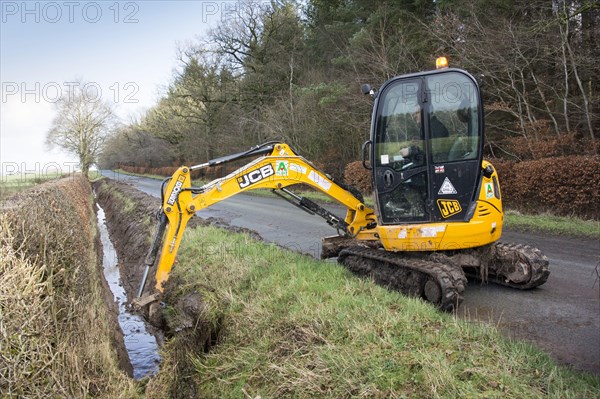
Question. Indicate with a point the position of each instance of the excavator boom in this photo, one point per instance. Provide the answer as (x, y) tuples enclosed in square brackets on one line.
[(277, 167)]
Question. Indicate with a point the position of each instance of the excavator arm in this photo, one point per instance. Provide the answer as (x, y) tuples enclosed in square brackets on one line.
[(275, 167)]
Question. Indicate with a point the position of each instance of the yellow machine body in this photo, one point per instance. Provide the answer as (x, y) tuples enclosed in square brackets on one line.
[(283, 168), (432, 192), (484, 226)]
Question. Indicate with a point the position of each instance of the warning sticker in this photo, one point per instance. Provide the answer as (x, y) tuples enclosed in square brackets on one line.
[(281, 168), (297, 168), (320, 180), (447, 188), (489, 190)]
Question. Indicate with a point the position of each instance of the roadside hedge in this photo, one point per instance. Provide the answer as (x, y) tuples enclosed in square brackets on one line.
[(562, 186), (358, 177)]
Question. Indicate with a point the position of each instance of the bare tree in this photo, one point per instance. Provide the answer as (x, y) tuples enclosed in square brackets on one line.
[(82, 124)]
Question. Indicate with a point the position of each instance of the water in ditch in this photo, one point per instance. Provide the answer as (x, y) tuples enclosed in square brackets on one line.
[(141, 346)]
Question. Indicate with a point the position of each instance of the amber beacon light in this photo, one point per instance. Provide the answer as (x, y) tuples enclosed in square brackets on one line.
[(441, 62)]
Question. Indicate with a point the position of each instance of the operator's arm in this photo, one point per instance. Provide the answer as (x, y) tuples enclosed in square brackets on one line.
[(414, 153)]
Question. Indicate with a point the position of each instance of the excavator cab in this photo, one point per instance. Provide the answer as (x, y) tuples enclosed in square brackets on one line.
[(433, 189), (426, 151)]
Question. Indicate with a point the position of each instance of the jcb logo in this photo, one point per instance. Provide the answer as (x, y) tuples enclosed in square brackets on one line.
[(255, 176), (176, 190), (449, 207)]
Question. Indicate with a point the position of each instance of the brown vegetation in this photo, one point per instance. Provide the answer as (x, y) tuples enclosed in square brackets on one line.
[(50, 295), (358, 177), (565, 186)]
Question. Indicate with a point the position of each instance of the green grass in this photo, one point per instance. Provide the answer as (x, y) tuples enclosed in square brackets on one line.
[(13, 184), (148, 175), (555, 225), (296, 327), (95, 175)]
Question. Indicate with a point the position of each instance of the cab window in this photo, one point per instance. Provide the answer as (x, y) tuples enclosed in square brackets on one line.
[(453, 117), (400, 127)]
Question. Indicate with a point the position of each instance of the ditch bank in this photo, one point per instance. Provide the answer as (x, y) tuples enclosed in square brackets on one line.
[(58, 327), (71, 258), (130, 219)]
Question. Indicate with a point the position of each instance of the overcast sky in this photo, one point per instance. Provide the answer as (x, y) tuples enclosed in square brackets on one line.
[(126, 48)]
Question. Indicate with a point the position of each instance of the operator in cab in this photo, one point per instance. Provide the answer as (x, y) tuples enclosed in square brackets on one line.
[(438, 130)]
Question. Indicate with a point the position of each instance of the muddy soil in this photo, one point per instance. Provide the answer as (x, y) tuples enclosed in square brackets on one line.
[(130, 228), (129, 215)]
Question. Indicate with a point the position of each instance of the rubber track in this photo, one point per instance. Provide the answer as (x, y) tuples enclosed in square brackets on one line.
[(537, 262), (398, 272)]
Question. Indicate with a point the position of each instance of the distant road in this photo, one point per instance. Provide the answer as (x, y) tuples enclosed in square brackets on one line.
[(562, 316)]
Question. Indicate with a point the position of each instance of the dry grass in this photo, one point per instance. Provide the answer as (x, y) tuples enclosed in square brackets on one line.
[(55, 335)]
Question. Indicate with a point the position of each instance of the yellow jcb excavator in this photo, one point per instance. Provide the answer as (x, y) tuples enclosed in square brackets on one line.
[(438, 206)]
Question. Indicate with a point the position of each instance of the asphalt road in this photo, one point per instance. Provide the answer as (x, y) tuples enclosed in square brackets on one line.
[(561, 317)]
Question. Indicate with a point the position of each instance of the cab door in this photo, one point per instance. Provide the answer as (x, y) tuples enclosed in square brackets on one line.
[(426, 155)]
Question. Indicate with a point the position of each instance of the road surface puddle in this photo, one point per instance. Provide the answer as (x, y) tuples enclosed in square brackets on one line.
[(141, 346)]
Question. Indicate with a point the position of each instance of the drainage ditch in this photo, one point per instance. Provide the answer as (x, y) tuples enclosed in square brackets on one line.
[(141, 346)]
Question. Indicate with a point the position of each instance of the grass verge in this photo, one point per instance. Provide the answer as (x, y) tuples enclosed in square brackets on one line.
[(292, 326), (555, 225)]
